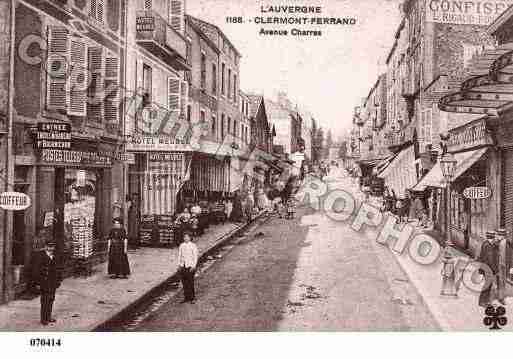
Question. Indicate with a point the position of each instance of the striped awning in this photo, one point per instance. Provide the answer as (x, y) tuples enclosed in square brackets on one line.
[(490, 89), (435, 178)]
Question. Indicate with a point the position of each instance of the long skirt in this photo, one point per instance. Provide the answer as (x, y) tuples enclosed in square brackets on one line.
[(118, 263)]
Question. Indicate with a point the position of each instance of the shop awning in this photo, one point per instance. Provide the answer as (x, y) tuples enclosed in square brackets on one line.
[(393, 163), (489, 90), (464, 160), (383, 165)]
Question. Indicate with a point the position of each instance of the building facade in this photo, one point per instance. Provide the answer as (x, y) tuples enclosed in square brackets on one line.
[(64, 107)]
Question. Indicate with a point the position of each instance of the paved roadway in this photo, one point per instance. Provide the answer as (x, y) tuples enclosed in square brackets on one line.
[(306, 274)]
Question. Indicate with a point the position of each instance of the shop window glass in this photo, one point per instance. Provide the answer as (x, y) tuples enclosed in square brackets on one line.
[(79, 211)]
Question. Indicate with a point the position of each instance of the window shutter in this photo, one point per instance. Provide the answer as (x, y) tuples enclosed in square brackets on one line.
[(173, 93), (183, 95), (147, 4), (111, 89), (78, 78), (57, 63), (95, 108), (176, 15), (100, 10)]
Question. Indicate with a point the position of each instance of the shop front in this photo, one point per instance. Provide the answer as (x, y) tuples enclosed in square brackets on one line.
[(476, 165)]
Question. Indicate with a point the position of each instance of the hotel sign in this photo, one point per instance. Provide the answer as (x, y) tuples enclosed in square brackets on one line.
[(465, 12), (469, 136), (142, 143)]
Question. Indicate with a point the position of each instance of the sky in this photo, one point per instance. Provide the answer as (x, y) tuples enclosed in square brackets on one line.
[(329, 74)]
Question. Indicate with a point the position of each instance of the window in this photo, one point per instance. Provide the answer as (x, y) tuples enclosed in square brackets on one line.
[(426, 124), (203, 72), (189, 52), (222, 126), (147, 82), (202, 116), (478, 223), (147, 4), (214, 79), (189, 110), (97, 10), (214, 127), (235, 88), (223, 69), (229, 130), (235, 128), (229, 83)]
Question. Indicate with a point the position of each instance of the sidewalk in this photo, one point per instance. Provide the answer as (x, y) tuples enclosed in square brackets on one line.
[(453, 314), (81, 304)]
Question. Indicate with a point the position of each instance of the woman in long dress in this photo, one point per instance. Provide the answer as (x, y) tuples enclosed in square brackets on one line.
[(237, 212), (117, 248)]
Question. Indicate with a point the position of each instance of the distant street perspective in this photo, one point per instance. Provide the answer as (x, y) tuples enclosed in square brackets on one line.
[(310, 273)]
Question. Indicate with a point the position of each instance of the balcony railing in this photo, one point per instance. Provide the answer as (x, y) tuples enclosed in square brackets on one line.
[(157, 36)]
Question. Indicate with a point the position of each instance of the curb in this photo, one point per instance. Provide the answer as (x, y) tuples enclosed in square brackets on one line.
[(122, 312)]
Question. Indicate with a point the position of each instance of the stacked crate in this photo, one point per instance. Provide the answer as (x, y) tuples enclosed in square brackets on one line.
[(82, 238)]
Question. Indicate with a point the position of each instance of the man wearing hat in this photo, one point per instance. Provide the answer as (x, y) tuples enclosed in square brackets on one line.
[(489, 256), (48, 280)]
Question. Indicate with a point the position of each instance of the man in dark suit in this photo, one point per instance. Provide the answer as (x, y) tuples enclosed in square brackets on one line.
[(49, 280), (489, 256)]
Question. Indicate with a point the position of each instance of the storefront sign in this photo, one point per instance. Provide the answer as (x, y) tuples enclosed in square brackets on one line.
[(14, 201), (48, 156), (165, 157), (472, 135), (468, 12), (156, 143), (477, 193), (53, 135)]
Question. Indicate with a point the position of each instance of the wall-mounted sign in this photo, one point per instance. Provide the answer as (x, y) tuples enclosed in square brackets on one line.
[(53, 135), (14, 201), (469, 136), (468, 12), (165, 157), (68, 157), (156, 143), (145, 23), (477, 192)]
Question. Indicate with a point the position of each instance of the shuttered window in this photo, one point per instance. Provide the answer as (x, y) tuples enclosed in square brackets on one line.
[(176, 14), (173, 93), (147, 4), (111, 89), (97, 10), (96, 64), (57, 63), (78, 79), (183, 96)]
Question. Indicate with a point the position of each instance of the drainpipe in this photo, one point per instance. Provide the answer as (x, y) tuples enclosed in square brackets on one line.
[(9, 180)]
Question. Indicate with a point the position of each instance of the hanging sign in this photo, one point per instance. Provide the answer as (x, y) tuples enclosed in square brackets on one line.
[(14, 201), (53, 135), (477, 192)]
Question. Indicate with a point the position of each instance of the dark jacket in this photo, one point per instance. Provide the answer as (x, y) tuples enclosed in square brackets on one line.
[(490, 256), (49, 277)]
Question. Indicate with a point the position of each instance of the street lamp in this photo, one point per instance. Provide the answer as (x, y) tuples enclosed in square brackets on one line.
[(448, 166)]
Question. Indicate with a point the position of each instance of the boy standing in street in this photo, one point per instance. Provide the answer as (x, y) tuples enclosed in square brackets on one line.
[(187, 261), (49, 280)]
